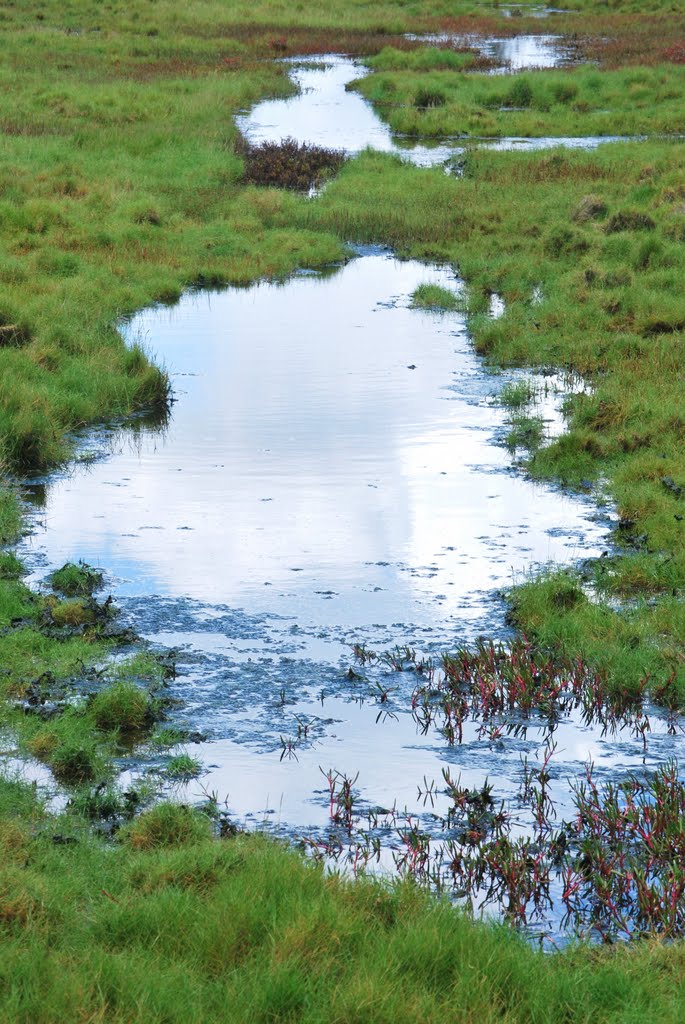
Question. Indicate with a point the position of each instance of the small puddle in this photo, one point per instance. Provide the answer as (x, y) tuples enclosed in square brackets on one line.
[(323, 113)]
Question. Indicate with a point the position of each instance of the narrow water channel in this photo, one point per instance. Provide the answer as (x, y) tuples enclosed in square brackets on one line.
[(332, 473), (324, 113)]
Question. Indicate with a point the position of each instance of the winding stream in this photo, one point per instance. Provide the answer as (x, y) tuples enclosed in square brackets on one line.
[(323, 113), (332, 473)]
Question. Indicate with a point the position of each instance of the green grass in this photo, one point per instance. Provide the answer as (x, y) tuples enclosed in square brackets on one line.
[(167, 824), (432, 296), (10, 566), (643, 639), (517, 395), (123, 706), (166, 737), (417, 98), (76, 580), (428, 58), (10, 516), (525, 432), (170, 926), (183, 767)]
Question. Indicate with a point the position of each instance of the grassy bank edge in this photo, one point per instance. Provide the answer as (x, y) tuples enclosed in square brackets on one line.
[(172, 925)]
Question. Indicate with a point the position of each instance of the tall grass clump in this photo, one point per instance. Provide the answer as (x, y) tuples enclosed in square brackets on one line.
[(289, 164), (123, 706), (167, 824), (433, 296), (10, 516), (76, 580)]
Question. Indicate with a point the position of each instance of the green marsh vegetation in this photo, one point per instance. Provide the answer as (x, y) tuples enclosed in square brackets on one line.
[(122, 182), (76, 580), (145, 933), (430, 99), (183, 767), (432, 296)]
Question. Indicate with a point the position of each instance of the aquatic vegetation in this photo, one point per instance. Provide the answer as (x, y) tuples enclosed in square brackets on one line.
[(611, 872), (289, 164), (183, 767), (145, 666), (10, 566), (103, 802), (517, 394), (525, 432), (510, 683), (168, 736), (123, 706), (10, 516), (73, 763)]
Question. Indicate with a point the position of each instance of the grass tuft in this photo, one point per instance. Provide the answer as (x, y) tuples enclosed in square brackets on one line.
[(76, 580), (432, 296), (167, 824), (123, 706), (289, 164)]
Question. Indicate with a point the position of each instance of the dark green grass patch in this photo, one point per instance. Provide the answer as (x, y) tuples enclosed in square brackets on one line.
[(10, 516), (123, 706)]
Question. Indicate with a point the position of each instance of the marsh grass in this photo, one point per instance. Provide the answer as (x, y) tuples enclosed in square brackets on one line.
[(526, 432), (120, 186), (10, 566), (289, 164), (428, 58), (434, 297), (76, 580), (122, 706), (68, 746), (167, 824), (422, 100), (183, 767), (517, 394), (10, 516), (166, 737), (63, 700), (171, 925)]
